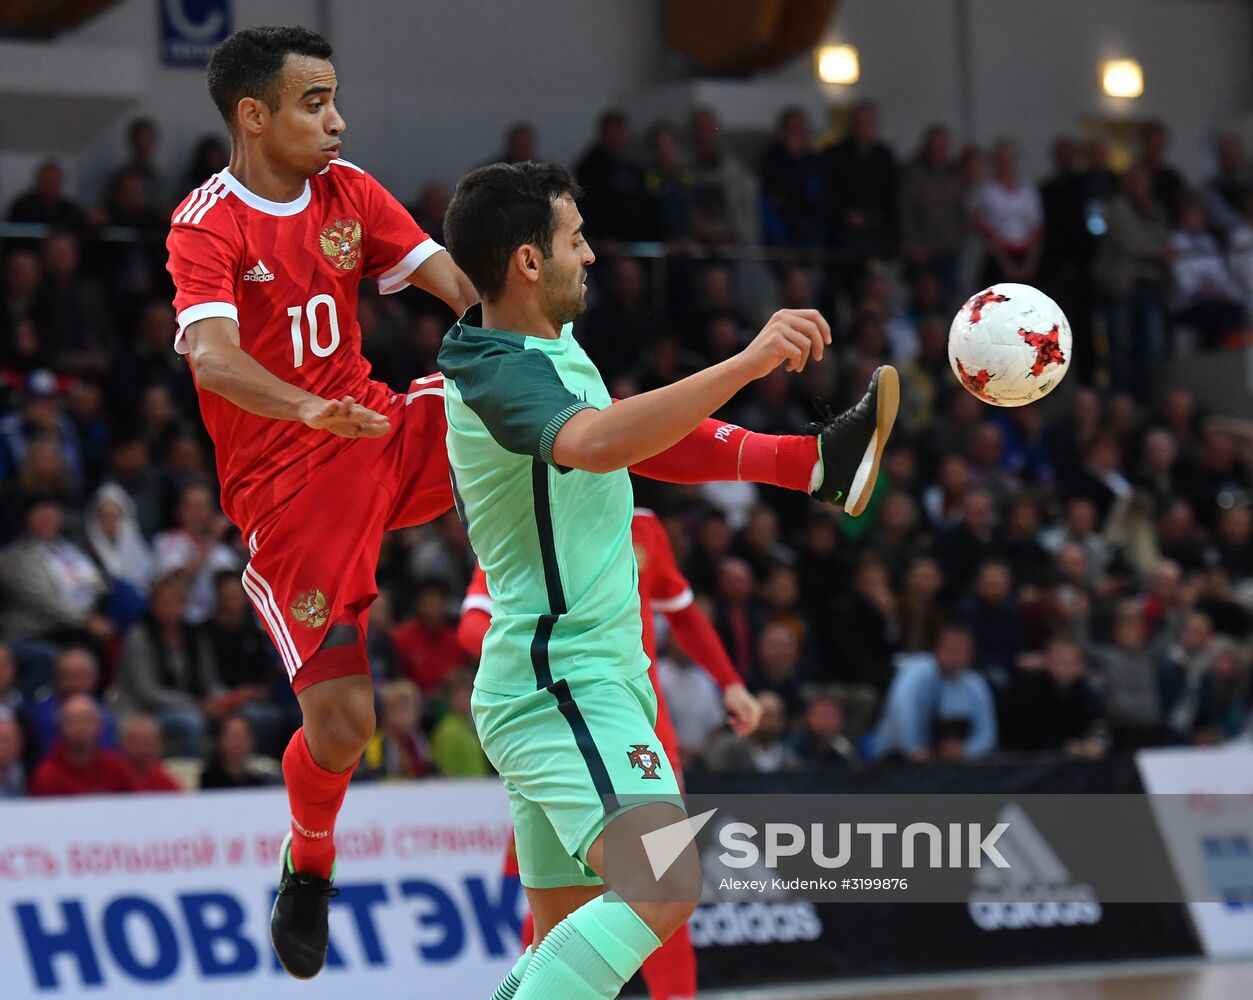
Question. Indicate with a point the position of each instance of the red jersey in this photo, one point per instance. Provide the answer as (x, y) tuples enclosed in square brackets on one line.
[(288, 273)]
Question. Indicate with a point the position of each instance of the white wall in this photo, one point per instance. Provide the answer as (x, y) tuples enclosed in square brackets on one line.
[(1035, 66), (430, 84)]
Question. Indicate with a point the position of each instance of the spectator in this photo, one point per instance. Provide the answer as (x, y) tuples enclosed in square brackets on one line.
[(1127, 675), (398, 750), (868, 629), (20, 282), (860, 175), (455, 745), (114, 539), (963, 548), (1009, 215), (1233, 547), (425, 646), (246, 665), (723, 193), (779, 666), (1020, 546), (45, 203), (519, 145), (1133, 271), (195, 549), (12, 762), (1228, 697), (15, 708), (1207, 297), (230, 765), (1220, 470), (429, 210), (1226, 192), (209, 156), (131, 467), (1052, 706), (618, 327), (74, 313), (738, 615), (1166, 183), (918, 607), (933, 219), (820, 745), (991, 613), (614, 204), (791, 185), (669, 185), (694, 700), (1185, 678), (166, 669), (141, 749), (51, 587), (142, 139), (933, 697), (74, 672), (764, 752), (78, 763)]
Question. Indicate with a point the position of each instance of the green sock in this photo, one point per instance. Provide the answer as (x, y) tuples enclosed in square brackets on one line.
[(590, 955), (507, 989)]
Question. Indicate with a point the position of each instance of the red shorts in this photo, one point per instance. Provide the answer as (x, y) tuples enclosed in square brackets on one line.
[(313, 562)]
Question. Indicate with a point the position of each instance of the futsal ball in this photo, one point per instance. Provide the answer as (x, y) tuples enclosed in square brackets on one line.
[(1009, 345)]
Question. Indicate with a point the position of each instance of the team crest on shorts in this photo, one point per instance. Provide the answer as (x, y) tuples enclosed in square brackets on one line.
[(341, 243), (642, 757), (311, 609)]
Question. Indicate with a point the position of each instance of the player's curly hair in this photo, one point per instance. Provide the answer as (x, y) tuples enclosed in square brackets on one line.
[(250, 61), (497, 209)]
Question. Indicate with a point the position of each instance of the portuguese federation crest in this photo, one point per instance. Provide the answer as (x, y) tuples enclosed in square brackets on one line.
[(310, 609), (645, 759), (341, 243)]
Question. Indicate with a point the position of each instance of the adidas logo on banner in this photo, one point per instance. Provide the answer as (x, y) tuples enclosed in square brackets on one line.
[(1036, 890), (258, 272)]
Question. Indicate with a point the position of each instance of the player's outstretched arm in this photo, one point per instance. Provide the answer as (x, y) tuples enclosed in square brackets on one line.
[(440, 276), (638, 428), (223, 367)]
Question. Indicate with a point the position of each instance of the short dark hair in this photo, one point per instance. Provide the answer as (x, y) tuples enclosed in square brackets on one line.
[(249, 62), (497, 209)]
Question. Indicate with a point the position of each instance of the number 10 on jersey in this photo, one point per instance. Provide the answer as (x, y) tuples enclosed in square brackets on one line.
[(310, 313)]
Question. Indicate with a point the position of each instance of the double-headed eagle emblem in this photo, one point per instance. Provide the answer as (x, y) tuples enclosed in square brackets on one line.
[(341, 243)]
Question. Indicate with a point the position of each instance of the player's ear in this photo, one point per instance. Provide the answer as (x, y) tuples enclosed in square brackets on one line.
[(249, 114), (528, 260)]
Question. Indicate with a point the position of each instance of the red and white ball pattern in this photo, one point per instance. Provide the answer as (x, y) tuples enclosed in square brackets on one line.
[(1010, 345)]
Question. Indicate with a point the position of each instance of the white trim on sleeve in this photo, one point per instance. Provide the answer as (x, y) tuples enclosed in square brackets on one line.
[(668, 605), (477, 602), (204, 310), (393, 280)]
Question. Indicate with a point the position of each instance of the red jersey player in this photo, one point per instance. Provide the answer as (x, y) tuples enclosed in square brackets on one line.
[(316, 460), (670, 972)]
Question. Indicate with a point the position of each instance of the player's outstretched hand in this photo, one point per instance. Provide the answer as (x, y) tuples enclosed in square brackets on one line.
[(347, 418), (743, 710), (791, 337)]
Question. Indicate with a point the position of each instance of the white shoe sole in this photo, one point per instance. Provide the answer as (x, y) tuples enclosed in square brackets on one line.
[(889, 402)]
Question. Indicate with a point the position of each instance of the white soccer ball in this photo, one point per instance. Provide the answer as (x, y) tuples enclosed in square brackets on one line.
[(1009, 345)]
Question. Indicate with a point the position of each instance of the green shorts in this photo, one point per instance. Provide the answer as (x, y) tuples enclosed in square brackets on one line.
[(565, 753)]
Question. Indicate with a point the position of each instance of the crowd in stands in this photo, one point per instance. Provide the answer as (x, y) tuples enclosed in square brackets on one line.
[(1073, 577)]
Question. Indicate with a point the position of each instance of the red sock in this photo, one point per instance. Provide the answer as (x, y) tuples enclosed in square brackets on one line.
[(670, 971), (315, 795), (718, 452)]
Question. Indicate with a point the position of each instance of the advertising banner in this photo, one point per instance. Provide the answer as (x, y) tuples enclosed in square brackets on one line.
[(170, 895)]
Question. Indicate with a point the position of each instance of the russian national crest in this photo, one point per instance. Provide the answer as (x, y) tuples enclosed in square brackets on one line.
[(311, 609), (341, 243), (645, 759)]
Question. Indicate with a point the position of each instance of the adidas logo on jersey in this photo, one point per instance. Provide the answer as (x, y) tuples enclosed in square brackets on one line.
[(1036, 890), (258, 272)]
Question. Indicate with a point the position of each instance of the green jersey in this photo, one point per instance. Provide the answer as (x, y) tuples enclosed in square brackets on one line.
[(555, 543)]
